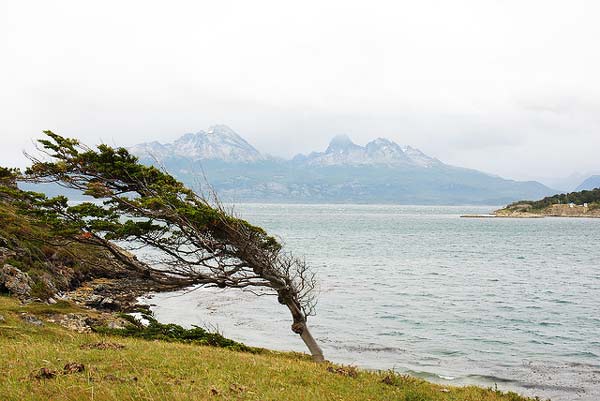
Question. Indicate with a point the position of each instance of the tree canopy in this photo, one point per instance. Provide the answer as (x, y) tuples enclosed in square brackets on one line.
[(579, 198)]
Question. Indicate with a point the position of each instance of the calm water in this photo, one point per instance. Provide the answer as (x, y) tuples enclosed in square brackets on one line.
[(420, 290)]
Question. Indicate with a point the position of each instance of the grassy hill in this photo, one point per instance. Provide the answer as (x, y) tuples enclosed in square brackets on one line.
[(118, 368)]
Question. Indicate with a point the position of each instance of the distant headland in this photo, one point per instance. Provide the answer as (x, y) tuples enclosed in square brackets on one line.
[(575, 204)]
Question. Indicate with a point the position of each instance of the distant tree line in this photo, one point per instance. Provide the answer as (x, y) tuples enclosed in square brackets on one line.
[(578, 198)]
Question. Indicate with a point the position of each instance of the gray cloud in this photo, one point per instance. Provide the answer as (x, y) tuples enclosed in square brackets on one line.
[(507, 87)]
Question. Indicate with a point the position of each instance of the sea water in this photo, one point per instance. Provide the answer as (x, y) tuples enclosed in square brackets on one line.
[(512, 303)]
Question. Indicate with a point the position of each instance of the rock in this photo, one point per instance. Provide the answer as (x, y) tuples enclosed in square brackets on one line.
[(48, 281), (15, 281), (114, 324), (27, 318), (84, 323), (4, 242), (51, 301), (93, 300), (5, 253), (109, 303), (114, 294), (100, 302), (76, 322), (2, 319)]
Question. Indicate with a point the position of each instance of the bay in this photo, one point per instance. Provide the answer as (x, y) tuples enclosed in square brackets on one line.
[(512, 303)]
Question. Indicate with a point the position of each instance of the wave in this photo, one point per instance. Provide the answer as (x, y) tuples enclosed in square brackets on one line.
[(430, 375), (491, 378), (554, 387), (367, 348)]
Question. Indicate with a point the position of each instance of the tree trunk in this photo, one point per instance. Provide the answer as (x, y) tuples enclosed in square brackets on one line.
[(299, 327), (313, 347)]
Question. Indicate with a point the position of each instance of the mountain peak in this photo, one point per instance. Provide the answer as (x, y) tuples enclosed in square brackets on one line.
[(381, 142), (219, 142), (222, 129), (341, 143), (384, 151)]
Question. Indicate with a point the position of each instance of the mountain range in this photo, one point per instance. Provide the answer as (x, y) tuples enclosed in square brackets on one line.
[(382, 171), (590, 183)]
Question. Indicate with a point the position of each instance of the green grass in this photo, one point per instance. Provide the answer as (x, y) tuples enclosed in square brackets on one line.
[(155, 330), (158, 370), (37, 308)]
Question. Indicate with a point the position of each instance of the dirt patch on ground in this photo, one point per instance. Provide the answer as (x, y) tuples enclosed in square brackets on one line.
[(348, 371), (43, 373), (73, 367), (102, 346)]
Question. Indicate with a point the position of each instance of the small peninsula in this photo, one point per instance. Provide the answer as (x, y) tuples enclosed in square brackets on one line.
[(575, 204)]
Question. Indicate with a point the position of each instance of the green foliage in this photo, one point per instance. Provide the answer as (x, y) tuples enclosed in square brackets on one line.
[(415, 395), (8, 175), (139, 201), (174, 333), (591, 197), (40, 290), (43, 242)]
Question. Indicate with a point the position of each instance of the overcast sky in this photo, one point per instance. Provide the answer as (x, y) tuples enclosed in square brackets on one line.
[(508, 87)]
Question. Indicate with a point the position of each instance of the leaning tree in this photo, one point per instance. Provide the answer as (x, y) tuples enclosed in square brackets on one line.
[(194, 240)]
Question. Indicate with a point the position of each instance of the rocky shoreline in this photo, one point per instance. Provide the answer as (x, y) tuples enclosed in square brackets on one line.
[(99, 303), (99, 292), (525, 211), (105, 298), (556, 210)]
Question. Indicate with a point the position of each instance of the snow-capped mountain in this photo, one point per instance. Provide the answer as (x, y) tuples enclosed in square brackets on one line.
[(381, 151), (419, 158), (379, 172), (218, 143)]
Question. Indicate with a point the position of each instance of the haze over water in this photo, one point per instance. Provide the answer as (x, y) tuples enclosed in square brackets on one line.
[(420, 290)]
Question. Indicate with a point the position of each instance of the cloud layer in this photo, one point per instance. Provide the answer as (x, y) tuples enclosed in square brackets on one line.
[(504, 86)]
